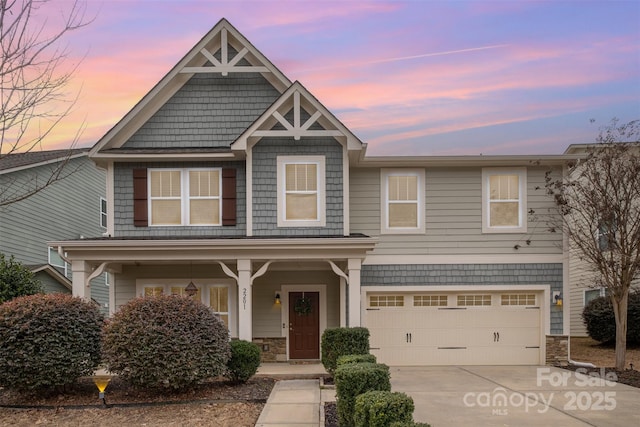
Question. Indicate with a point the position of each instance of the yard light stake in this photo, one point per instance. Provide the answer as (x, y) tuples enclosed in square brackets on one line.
[(102, 381)]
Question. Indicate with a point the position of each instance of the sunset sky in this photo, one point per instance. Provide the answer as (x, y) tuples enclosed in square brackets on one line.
[(407, 77)]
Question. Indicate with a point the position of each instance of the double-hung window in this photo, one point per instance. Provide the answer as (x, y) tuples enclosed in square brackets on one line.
[(504, 196), (301, 191), (103, 212), (402, 207), (185, 196)]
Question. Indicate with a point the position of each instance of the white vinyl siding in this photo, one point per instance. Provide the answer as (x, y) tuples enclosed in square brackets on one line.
[(504, 200), (301, 191), (402, 207), (185, 196)]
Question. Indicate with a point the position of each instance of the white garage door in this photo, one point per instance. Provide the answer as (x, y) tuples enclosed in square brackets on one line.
[(500, 328)]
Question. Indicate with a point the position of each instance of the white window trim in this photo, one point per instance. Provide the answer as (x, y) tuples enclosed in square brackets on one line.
[(384, 201), (184, 197), (282, 161), (204, 285), (522, 211), (66, 267), (104, 214)]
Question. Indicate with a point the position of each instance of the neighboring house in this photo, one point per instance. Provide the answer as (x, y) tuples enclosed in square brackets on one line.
[(583, 282), (228, 175), (70, 208)]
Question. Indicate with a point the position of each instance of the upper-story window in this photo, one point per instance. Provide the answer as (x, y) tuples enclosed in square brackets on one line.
[(301, 191), (402, 207), (185, 196), (103, 212), (504, 200)]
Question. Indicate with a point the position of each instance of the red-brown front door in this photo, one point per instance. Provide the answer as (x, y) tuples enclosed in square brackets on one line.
[(304, 325)]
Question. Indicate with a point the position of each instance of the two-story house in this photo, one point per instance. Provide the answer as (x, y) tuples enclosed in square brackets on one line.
[(229, 176), (73, 206)]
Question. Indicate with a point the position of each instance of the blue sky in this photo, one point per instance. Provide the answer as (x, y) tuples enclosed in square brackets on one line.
[(414, 78)]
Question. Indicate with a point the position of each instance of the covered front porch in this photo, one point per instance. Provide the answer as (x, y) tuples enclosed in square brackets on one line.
[(280, 293)]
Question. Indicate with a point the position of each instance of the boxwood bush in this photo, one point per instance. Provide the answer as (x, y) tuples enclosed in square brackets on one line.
[(354, 379), (338, 342), (244, 361), (165, 341), (600, 322), (356, 358), (48, 341), (408, 424), (381, 408)]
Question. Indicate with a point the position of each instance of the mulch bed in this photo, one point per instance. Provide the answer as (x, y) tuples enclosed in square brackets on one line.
[(85, 393), (628, 376)]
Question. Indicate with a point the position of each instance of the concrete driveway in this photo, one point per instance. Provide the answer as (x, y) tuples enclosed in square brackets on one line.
[(515, 396)]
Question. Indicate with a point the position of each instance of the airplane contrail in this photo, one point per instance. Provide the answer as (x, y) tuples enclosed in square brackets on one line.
[(406, 58)]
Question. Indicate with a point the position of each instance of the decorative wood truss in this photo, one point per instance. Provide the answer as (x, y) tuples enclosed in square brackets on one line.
[(226, 64)]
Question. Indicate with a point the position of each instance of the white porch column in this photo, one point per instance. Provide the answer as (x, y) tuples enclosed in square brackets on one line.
[(80, 286), (245, 330), (343, 302), (353, 268)]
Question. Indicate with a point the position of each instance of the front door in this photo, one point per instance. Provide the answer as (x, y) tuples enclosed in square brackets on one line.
[(304, 325)]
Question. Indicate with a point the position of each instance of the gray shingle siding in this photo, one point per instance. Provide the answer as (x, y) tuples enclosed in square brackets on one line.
[(265, 154), (469, 274), (123, 203), (208, 111)]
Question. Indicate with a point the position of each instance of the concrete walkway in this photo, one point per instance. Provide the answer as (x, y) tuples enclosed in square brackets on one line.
[(297, 398)]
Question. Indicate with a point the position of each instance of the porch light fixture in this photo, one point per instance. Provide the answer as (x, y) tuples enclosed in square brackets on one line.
[(557, 299), (277, 301), (191, 289)]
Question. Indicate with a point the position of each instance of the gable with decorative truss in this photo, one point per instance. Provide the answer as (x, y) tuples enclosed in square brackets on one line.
[(223, 52), (297, 114)]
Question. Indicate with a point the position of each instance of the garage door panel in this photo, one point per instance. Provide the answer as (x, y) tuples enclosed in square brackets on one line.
[(475, 335)]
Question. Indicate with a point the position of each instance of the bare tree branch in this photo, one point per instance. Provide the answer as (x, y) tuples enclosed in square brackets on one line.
[(599, 203), (35, 72)]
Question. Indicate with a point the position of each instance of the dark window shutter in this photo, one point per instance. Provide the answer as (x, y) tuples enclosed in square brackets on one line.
[(228, 196), (140, 210)]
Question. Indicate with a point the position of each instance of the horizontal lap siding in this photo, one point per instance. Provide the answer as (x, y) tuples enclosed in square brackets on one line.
[(453, 216)]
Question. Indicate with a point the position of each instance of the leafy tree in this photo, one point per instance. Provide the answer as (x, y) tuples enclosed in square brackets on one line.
[(34, 74), (16, 280), (599, 203)]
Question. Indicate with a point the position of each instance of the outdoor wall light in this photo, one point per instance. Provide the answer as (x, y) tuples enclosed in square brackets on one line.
[(557, 298), (277, 300), (102, 381)]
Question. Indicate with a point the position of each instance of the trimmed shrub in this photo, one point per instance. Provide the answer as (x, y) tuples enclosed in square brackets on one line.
[(380, 408), (354, 379), (355, 358), (338, 342), (16, 280), (244, 361), (600, 321), (48, 341), (165, 341)]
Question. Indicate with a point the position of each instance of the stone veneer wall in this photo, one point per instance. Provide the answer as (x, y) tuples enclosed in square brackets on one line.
[(557, 350), (272, 349)]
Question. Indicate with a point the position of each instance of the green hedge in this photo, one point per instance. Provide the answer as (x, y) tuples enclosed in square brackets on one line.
[(338, 342), (356, 358), (380, 408), (244, 361), (354, 379), (166, 341), (600, 322), (48, 341)]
